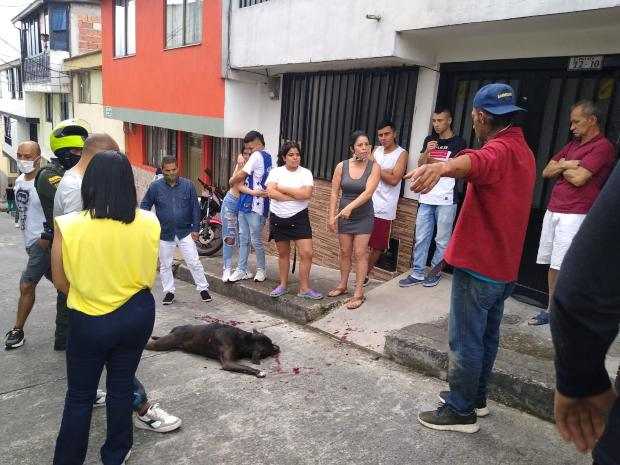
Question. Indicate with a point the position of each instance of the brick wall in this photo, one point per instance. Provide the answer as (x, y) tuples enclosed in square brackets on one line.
[(326, 243), (89, 29), (143, 179)]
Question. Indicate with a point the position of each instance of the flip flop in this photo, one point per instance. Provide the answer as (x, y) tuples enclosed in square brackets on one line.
[(337, 291), (355, 303)]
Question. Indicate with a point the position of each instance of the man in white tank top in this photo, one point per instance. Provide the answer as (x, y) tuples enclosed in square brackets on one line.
[(393, 162)]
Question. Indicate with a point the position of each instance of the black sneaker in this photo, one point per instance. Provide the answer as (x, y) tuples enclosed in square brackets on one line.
[(168, 298), (481, 409), (446, 419), (205, 296), (14, 339)]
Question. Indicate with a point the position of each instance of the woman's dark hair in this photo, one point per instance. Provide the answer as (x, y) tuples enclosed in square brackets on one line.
[(288, 145), (108, 188), (353, 139)]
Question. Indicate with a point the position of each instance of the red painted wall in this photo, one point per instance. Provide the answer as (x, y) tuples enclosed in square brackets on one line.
[(184, 80), (135, 144)]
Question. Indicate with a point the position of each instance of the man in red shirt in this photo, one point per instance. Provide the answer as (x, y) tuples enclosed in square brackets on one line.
[(581, 167), (485, 251)]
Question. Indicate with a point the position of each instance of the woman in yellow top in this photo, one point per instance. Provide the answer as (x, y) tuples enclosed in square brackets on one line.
[(104, 259)]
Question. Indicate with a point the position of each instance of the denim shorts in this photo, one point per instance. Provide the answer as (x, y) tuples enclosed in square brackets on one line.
[(39, 265)]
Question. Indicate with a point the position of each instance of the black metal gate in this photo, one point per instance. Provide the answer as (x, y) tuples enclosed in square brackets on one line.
[(547, 90), (320, 110)]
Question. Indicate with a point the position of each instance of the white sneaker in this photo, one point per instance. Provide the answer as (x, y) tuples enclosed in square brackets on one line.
[(238, 275), (99, 398), (259, 277), (157, 419), (226, 275)]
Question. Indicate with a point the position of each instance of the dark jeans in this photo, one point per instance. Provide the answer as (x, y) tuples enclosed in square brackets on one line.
[(116, 341), (476, 310), (62, 333)]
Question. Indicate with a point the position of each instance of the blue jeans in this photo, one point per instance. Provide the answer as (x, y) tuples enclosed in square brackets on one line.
[(476, 310), (428, 216), (115, 340), (230, 229), (251, 231), (139, 395)]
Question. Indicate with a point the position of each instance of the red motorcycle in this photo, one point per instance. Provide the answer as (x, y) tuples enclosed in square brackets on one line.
[(210, 235)]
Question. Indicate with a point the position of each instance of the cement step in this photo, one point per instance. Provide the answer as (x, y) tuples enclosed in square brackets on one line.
[(288, 306), (523, 376)]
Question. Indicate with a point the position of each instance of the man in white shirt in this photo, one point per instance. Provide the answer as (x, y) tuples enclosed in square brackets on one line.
[(253, 207), (31, 219), (392, 159), (437, 208)]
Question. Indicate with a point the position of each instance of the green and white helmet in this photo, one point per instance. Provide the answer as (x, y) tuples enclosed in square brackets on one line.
[(69, 134)]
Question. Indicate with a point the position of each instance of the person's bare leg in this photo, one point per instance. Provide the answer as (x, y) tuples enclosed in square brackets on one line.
[(552, 278), (346, 250), (373, 258), (284, 261), (360, 248), (25, 303), (304, 250)]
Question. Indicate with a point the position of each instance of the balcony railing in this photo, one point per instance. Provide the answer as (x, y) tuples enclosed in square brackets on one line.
[(244, 3), (37, 67)]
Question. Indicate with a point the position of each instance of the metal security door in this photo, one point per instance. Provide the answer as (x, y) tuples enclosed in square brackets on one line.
[(547, 90)]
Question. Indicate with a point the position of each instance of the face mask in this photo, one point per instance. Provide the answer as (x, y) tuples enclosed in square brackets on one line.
[(68, 160), (170, 178), (26, 166)]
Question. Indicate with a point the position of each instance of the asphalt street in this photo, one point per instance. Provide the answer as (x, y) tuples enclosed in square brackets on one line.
[(322, 402)]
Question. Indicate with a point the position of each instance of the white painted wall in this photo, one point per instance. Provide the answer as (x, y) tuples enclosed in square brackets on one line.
[(426, 94), (248, 107), (286, 32), (93, 112), (26, 107), (20, 132)]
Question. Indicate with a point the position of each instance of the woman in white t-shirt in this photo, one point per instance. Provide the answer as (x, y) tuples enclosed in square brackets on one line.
[(289, 186)]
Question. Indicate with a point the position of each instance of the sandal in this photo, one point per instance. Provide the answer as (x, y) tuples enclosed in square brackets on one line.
[(541, 319), (355, 303), (337, 291)]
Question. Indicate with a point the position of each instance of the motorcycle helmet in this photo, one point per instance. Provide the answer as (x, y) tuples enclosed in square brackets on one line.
[(66, 137)]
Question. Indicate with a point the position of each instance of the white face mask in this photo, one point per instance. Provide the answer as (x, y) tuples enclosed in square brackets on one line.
[(26, 166)]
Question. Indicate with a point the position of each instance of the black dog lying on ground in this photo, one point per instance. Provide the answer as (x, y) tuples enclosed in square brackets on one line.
[(221, 342)]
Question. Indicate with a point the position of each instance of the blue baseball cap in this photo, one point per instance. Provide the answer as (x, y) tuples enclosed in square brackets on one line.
[(497, 99)]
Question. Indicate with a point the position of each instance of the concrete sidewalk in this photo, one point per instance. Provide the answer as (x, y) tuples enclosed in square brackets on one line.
[(410, 326), (289, 306)]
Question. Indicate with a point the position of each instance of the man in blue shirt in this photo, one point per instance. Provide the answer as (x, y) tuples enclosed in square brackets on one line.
[(178, 211)]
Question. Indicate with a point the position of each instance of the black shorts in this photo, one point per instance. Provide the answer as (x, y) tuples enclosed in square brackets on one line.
[(290, 229)]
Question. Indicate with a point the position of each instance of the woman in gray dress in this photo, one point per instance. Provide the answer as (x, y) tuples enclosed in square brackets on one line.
[(357, 178)]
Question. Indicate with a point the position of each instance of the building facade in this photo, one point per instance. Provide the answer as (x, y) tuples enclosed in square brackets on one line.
[(553, 53), (50, 32), (87, 95), (189, 77)]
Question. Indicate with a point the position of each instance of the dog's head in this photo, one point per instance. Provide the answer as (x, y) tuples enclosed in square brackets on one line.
[(262, 347)]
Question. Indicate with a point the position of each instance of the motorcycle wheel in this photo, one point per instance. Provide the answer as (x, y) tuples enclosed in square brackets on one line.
[(210, 240)]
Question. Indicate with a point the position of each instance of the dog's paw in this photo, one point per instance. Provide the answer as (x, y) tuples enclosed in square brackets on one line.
[(261, 374)]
